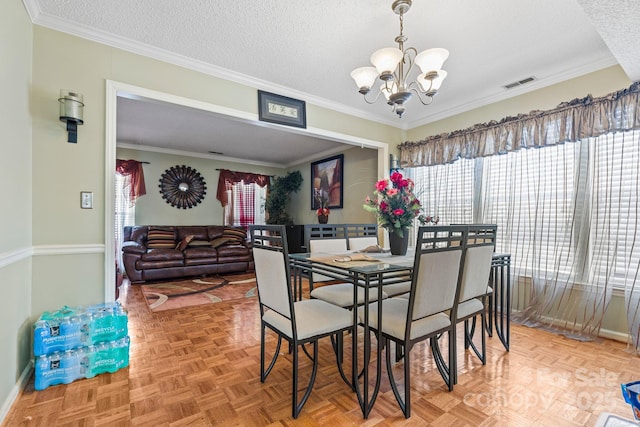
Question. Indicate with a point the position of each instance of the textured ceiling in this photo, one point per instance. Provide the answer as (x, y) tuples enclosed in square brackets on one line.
[(306, 49)]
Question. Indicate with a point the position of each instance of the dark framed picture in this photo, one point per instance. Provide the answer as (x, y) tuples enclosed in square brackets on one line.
[(281, 109), (326, 182)]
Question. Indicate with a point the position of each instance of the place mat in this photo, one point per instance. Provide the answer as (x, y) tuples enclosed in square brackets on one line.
[(348, 260)]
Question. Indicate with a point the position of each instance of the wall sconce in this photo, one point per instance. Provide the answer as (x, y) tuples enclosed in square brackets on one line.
[(394, 163), (71, 106)]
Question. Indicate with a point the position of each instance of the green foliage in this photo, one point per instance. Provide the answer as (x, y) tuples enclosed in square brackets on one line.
[(279, 195)]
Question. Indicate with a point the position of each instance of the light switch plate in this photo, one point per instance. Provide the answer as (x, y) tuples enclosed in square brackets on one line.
[(86, 200)]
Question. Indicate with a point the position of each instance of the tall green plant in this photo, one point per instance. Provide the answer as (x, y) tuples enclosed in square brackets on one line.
[(279, 195)]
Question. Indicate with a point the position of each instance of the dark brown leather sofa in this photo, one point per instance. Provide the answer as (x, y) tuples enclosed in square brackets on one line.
[(184, 251)]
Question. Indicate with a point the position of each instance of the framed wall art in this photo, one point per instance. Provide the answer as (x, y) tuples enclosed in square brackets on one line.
[(182, 187), (326, 182), (281, 109)]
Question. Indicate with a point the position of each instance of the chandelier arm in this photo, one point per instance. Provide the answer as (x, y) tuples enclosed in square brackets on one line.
[(373, 101), (428, 99), (410, 59)]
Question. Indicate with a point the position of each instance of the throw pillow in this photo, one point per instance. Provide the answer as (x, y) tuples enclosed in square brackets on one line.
[(161, 238), (220, 241), (195, 243), (182, 245), (236, 235)]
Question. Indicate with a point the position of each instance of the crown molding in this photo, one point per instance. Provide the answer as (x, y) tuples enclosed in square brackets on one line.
[(209, 156), (103, 37), (49, 21), (511, 93)]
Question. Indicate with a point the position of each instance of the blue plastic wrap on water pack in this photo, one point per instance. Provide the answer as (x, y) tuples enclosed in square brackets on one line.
[(85, 362), (631, 394), (70, 328)]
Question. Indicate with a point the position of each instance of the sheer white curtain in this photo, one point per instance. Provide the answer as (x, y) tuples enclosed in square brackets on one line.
[(125, 213), (245, 204), (568, 214)]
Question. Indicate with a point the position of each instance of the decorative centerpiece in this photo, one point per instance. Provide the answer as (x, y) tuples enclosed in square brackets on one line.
[(396, 208), (323, 210)]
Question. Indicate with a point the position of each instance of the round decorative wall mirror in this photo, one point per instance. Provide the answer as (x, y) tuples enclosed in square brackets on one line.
[(182, 187)]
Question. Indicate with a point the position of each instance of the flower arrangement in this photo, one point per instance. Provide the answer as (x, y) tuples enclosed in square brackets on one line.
[(322, 202), (396, 205)]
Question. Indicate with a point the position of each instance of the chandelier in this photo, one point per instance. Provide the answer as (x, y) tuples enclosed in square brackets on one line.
[(393, 66)]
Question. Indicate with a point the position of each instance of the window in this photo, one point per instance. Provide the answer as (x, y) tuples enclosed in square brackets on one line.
[(247, 205), (566, 213)]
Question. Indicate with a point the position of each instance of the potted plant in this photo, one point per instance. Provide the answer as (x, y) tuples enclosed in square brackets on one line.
[(279, 195)]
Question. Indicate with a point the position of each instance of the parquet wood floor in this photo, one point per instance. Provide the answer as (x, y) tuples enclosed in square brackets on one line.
[(200, 367)]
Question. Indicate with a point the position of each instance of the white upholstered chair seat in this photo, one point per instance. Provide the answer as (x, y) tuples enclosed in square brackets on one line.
[(313, 317), (397, 289), (342, 294), (395, 319), (469, 307)]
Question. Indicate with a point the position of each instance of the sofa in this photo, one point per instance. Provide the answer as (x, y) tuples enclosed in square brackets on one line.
[(152, 253)]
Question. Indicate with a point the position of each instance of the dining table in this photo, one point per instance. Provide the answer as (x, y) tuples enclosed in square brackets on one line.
[(372, 269)]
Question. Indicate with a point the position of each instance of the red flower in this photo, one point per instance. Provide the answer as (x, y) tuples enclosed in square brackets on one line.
[(398, 212)]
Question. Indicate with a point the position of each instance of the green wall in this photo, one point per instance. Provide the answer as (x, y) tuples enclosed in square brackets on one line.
[(598, 83), (360, 175), (15, 216), (153, 209)]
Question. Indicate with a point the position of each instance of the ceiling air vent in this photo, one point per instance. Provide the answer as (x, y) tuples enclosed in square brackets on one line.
[(519, 82)]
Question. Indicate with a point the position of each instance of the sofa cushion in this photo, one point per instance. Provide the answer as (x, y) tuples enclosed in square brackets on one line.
[(182, 245), (200, 261), (158, 265), (201, 252), (198, 243), (198, 232), (236, 233), (221, 241), (215, 231), (229, 252), (162, 254), (161, 237)]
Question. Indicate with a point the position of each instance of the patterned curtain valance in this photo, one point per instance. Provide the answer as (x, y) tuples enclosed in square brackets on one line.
[(228, 177), (570, 121), (134, 170)]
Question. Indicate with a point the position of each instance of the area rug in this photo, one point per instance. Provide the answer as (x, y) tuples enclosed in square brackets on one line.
[(186, 293)]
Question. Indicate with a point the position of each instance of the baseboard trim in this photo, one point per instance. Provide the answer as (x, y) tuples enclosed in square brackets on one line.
[(15, 392), (604, 333)]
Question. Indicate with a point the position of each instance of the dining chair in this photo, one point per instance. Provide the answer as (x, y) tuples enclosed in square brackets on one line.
[(475, 293), (340, 294), (298, 322), (430, 309), (361, 236)]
